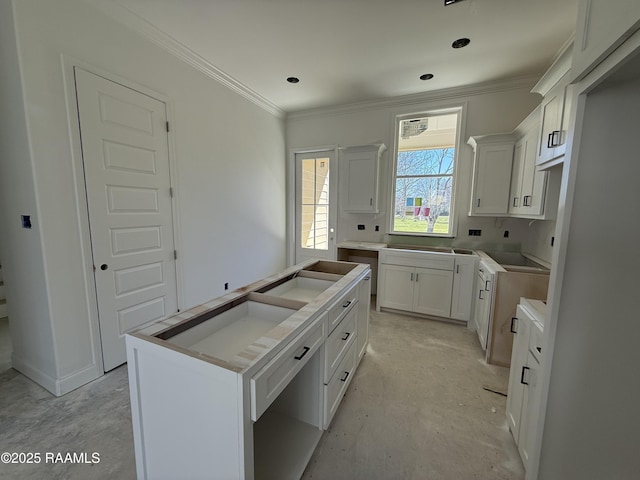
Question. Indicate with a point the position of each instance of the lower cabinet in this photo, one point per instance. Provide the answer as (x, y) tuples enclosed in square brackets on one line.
[(364, 305), (523, 397), (438, 284)]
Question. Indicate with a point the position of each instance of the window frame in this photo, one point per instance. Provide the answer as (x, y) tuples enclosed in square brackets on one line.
[(458, 109)]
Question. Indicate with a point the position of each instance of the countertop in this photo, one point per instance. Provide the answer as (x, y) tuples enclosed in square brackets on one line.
[(361, 245)]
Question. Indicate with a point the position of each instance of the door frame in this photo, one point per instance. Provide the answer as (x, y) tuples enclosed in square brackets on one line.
[(291, 195), (80, 190)]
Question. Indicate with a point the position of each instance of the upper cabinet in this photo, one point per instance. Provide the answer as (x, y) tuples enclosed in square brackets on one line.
[(554, 110), (360, 168), (601, 28), (528, 185), (493, 157)]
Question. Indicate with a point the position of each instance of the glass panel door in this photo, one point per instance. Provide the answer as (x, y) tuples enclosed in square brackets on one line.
[(315, 205)]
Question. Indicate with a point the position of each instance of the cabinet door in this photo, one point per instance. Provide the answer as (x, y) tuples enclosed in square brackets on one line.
[(360, 171), (492, 179), (515, 198), (482, 312), (529, 416), (432, 291), (534, 182), (551, 111), (396, 286), (464, 275), (516, 392), (602, 26), (364, 305)]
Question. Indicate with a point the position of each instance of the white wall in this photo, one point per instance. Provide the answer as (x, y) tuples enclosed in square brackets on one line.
[(20, 249), (592, 423), (230, 181), (495, 111)]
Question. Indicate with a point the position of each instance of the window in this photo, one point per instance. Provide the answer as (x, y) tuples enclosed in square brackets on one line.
[(424, 173)]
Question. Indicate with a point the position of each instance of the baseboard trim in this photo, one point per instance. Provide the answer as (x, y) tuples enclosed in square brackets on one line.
[(57, 386)]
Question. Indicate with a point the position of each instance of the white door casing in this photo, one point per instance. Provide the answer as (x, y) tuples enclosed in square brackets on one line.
[(315, 205), (126, 166)]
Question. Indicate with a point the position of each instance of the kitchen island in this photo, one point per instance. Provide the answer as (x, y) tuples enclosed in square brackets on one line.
[(243, 386)]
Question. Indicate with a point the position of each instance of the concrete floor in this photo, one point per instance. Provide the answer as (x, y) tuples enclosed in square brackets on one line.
[(416, 409)]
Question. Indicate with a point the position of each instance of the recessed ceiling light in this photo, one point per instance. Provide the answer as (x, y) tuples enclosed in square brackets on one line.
[(426, 76), (461, 42), (293, 79)]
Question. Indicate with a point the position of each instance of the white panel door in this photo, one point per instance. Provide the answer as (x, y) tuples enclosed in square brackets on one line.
[(126, 163), (316, 205)]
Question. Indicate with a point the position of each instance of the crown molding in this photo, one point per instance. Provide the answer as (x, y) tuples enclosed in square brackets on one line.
[(453, 93), (149, 31)]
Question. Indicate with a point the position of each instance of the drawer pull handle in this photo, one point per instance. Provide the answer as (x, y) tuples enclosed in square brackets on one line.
[(480, 295), (512, 324), (522, 376), (346, 335), (306, 350), (346, 375), (346, 304)]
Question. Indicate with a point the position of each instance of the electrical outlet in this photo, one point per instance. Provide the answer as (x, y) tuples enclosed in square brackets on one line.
[(377, 228), (506, 234), (26, 221), (360, 226), (474, 233)]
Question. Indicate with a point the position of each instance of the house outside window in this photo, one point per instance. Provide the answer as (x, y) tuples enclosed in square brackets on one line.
[(424, 173)]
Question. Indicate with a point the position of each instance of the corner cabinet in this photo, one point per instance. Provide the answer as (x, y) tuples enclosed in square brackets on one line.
[(601, 28), (492, 163), (243, 386), (360, 167)]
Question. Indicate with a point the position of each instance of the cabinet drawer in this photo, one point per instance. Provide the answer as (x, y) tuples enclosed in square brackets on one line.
[(335, 389), (438, 261), (535, 339), (341, 307), (338, 342), (267, 384)]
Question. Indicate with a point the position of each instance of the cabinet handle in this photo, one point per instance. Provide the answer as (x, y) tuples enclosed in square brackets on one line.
[(416, 277), (457, 268), (515, 201), (480, 295), (412, 277), (346, 375), (346, 335), (522, 376), (346, 304), (486, 285), (526, 200), (555, 138), (550, 140), (512, 325), (371, 201), (299, 357), (478, 202)]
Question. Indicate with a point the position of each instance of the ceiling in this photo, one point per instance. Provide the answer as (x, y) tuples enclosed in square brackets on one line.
[(347, 51)]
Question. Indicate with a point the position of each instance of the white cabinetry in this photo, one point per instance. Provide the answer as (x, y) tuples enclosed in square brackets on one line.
[(364, 305), (464, 277), (439, 284), (242, 387), (601, 28), (482, 313), (529, 186), (360, 178), (493, 157), (523, 395), (554, 109)]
